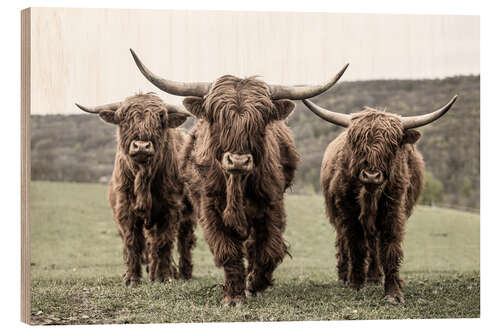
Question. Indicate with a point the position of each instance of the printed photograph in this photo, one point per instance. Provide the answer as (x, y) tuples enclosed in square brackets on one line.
[(218, 166)]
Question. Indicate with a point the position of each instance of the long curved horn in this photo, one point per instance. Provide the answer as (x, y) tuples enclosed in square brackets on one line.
[(178, 109), (97, 109), (199, 89), (418, 121), (296, 93), (340, 119)]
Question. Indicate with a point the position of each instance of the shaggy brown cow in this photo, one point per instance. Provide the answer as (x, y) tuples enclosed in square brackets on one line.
[(241, 158), (147, 193), (371, 177)]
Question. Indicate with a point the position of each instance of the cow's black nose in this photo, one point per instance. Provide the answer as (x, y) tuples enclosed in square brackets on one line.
[(237, 162), (371, 176)]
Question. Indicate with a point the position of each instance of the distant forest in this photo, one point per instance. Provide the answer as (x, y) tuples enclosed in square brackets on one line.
[(81, 148)]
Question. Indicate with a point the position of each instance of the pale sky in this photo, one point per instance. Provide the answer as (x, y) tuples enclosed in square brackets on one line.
[(81, 55)]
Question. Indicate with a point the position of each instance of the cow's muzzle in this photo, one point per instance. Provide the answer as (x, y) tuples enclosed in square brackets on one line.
[(141, 151), (371, 177), (237, 163)]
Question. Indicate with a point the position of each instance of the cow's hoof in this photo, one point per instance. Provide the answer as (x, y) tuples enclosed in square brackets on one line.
[(130, 280), (343, 282), (236, 301), (165, 280), (163, 276), (130, 283), (357, 285), (394, 299), (252, 294), (161, 279)]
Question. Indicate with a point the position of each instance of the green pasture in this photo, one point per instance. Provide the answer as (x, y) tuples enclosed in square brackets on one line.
[(76, 267)]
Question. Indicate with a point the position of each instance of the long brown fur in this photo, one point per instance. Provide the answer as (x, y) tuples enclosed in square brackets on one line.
[(149, 201), (241, 215), (369, 219)]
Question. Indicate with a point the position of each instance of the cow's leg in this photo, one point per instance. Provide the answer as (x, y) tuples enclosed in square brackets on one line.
[(391, 254), (374, 274), (133, 246), (357, 250), (228, 254), (342, 256), (234, 284), (160, 239), (185, 241), (252, 268), (267, 250), (250, 251)]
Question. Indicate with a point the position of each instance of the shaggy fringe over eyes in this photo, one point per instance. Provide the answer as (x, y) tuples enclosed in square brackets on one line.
[(142, 118), (374, 138), (238, 111)]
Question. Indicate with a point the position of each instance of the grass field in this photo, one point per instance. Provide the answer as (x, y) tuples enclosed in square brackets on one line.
[(76, 261)]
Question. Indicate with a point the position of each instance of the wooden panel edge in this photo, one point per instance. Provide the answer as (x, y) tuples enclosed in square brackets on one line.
[(25, 163)]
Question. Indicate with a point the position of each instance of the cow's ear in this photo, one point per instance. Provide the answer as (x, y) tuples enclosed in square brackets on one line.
[(410, 136), (284, 108), (176, 119), (110, 116), (194, 105)]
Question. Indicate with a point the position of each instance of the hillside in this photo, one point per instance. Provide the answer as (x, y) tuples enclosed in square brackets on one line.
[(81, 148)]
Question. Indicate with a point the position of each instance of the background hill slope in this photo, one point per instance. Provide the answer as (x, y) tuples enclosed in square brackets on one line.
[(81, 148)]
